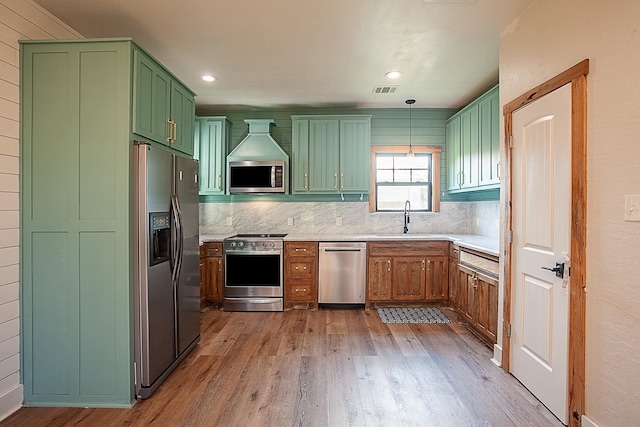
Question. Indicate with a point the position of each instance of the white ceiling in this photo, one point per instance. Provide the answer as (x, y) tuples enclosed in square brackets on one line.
[(276, 53)]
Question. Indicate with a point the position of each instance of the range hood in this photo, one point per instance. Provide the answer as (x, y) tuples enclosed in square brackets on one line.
[(258, 164), (258, 145)]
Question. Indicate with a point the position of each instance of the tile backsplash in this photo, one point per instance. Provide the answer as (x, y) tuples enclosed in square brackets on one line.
[(346, 218)]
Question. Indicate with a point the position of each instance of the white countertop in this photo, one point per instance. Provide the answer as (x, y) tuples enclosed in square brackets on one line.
[(472, 241)]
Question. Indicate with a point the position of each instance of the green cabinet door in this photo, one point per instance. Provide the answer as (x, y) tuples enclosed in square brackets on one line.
[(454, 161), (324, 157), (151, 100), (300, 156), (469, 146), (489, 173), (212, 142), (183, 110), (355, 144)]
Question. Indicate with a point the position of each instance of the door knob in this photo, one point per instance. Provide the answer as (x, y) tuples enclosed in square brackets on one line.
[(558, 269)]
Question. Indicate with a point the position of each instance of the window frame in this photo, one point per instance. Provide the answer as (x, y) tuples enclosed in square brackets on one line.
[(402, 149)]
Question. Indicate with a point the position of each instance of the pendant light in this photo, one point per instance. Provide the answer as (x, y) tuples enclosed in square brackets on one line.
[(410, 102)]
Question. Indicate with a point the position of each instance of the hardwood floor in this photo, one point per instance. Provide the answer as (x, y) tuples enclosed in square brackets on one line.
[(323, 368)]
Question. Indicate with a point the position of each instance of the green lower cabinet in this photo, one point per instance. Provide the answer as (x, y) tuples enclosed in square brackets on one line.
[(212, 142), (76, 259), (473, 145), (331, 154)]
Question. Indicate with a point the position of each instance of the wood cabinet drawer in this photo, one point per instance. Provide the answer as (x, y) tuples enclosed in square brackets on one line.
[(454, 251), (301, 249), (409, 248), (213, 249), (301, 290), (302, 268)]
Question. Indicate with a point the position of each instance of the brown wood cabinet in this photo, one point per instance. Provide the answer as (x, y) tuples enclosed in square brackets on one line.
[(213, 277), (203, 275), (407, 271), (453, 276), (300, 274), (477, 292)]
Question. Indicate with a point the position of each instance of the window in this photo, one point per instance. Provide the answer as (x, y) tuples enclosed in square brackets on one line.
[(396, 178)]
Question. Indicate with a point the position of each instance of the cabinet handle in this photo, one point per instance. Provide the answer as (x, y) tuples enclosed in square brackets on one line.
[(301, 289), (219, 181), (301, 249), (335, 175), (498, 170), (170, 130), (341, 181), (423, 265), (306, 181), (461, 178), (298, 268), (388, 265)]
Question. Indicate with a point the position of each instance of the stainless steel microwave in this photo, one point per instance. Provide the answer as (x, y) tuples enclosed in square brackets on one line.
[(267, 176)]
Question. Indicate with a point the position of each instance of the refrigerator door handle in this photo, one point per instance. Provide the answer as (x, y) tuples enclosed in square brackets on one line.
[(180, 237), (175, 239)]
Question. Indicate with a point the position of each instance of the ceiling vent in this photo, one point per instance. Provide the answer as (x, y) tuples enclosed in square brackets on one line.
[(385, 89)]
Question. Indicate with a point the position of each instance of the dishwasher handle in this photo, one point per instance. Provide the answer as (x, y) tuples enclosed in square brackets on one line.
[(341, 250)]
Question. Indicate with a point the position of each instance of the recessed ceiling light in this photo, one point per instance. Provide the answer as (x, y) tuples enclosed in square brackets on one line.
[(208, 78), (393, 74)]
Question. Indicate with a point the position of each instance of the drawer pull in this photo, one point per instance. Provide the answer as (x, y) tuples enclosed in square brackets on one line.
[(301, 249), (298, 268), (301, 289)]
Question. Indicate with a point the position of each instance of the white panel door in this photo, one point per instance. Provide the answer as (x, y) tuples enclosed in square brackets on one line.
[(541, 170)]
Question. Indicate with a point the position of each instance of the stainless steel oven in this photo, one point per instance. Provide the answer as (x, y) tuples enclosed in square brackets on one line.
[(253, 272)]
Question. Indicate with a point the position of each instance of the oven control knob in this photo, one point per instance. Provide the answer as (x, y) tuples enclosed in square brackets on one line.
[(252, 244), (241, 243), (272, 244), (232, 244)]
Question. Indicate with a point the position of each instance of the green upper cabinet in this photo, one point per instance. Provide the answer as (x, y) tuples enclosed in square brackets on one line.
[(163, 108), (473, 146), (330, 154), (212, 142)]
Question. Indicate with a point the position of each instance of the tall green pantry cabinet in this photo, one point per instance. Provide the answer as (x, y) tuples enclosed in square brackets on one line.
[(79, 102)]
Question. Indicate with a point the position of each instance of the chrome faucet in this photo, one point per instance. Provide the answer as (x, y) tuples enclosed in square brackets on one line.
[(407, 210)]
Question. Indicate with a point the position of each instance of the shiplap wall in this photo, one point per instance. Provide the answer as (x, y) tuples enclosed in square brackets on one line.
[(19, 20), (388, 126)]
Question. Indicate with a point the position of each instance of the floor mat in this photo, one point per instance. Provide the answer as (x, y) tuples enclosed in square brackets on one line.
[(412, 315)]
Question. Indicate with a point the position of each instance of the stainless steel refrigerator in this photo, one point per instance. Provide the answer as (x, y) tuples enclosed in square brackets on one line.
[(166, 268)]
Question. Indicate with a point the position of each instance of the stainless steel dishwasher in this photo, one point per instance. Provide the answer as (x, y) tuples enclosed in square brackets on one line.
[(342, 273)]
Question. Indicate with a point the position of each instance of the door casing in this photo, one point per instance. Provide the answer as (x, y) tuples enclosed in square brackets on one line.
[(577, 76)]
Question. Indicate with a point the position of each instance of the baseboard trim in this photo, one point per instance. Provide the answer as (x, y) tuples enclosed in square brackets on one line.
[(586, 422), (11, 401), (497, 355)]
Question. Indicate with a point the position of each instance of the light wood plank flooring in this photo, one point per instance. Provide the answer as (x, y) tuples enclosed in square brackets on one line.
[(323, 368)]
